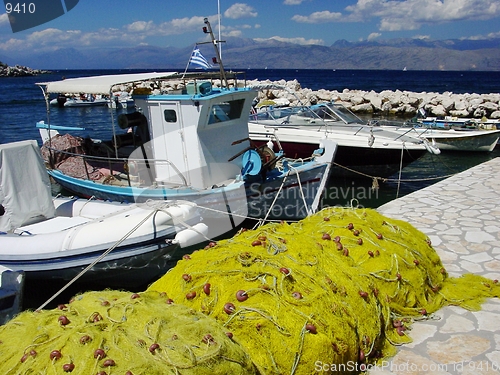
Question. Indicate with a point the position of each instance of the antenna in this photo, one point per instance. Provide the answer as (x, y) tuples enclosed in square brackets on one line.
[(208, 30)]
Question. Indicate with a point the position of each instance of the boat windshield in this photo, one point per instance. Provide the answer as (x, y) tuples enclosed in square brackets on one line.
[(344, 114), (226, 111), (275, 113)]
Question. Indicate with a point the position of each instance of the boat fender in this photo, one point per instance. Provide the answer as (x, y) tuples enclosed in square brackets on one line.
[(192, 236), (252, 163), (432, 148)]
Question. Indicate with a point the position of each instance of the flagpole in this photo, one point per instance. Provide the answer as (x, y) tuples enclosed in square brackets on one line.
[(219, 45), (189, 61)]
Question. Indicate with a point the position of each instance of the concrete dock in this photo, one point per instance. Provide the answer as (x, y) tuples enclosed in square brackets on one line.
[(461, 216)]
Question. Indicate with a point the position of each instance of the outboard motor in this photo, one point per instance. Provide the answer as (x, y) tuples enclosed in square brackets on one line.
[(137, 123)]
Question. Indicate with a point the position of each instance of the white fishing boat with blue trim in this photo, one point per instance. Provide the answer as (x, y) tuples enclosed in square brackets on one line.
[(191, 143)]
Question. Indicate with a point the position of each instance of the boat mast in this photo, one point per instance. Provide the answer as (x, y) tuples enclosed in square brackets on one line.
[(218, 44), (208, 30)]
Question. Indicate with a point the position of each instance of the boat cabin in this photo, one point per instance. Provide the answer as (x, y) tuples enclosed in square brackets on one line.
[(196, 131)]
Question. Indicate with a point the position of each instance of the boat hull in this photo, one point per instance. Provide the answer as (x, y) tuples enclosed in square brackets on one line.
[(287, 199), (485, 142), (128, 266), (357, 162), (251, 199), (457, 140)]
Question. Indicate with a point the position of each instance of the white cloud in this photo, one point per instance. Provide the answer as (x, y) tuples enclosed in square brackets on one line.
[(299, 40), (240, 10), (293, 2), (13, 45), (135, 32), (421, 37), (4, 19), (139, 26), (233, 33), (319, 17), (373, 36), (481, 37), (412, 14), (397, 15)]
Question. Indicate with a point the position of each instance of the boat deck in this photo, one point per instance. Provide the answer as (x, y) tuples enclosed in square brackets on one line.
[(461, 216)]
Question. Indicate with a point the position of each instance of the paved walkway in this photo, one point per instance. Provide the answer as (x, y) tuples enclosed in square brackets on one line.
[(461, 216)]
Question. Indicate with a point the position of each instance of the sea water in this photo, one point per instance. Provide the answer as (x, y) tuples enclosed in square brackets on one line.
[(22, 105)]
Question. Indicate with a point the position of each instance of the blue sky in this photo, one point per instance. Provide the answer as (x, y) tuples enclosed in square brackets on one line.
[(126, 23)]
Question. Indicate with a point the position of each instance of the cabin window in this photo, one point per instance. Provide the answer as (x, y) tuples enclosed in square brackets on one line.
[(226, 111), (170, 115)]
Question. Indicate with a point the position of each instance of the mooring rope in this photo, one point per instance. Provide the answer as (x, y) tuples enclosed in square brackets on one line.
[(97, 260)]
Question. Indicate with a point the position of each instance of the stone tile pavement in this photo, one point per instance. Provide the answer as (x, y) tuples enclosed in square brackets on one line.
[(461, 216)]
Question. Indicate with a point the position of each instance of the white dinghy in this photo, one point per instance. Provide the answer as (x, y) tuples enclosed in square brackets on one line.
[(57, 238)]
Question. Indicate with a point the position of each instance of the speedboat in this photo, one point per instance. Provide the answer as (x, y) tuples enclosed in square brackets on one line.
[(363, 150), (187, 144), (61, 237)]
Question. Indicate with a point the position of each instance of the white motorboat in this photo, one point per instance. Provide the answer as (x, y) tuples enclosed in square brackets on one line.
[(57, 238), (121, 100), (191, 144), (450, 122), (79, 100), (363, 150)]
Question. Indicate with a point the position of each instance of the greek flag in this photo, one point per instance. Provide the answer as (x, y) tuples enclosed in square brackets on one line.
[(198, 59)]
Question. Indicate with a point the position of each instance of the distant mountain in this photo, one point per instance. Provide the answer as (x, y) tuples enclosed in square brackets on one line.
[(239, 53)]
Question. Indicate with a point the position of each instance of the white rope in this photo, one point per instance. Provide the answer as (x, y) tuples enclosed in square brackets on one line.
[(400, 169), (302, 191), (97, 260), (261, 222)]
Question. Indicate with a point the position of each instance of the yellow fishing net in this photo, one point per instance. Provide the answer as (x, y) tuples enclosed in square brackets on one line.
[(328, 294), (332, 292), (114, 332)]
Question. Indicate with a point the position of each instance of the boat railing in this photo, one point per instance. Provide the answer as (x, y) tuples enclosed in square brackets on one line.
[(127, 168)]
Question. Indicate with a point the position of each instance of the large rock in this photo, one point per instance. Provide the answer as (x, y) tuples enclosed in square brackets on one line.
[(448, 103), (495, 115), (437, 110), (18, 71), (404, 103), (364, 107)]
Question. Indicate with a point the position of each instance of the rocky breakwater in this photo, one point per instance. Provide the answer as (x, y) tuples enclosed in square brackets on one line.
[(387, 102), (18, 71)]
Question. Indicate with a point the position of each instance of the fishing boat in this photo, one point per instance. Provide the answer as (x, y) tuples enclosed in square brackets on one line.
[(452, 122), (58, 238), (363, 149), (191, 143), (11, 293)]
